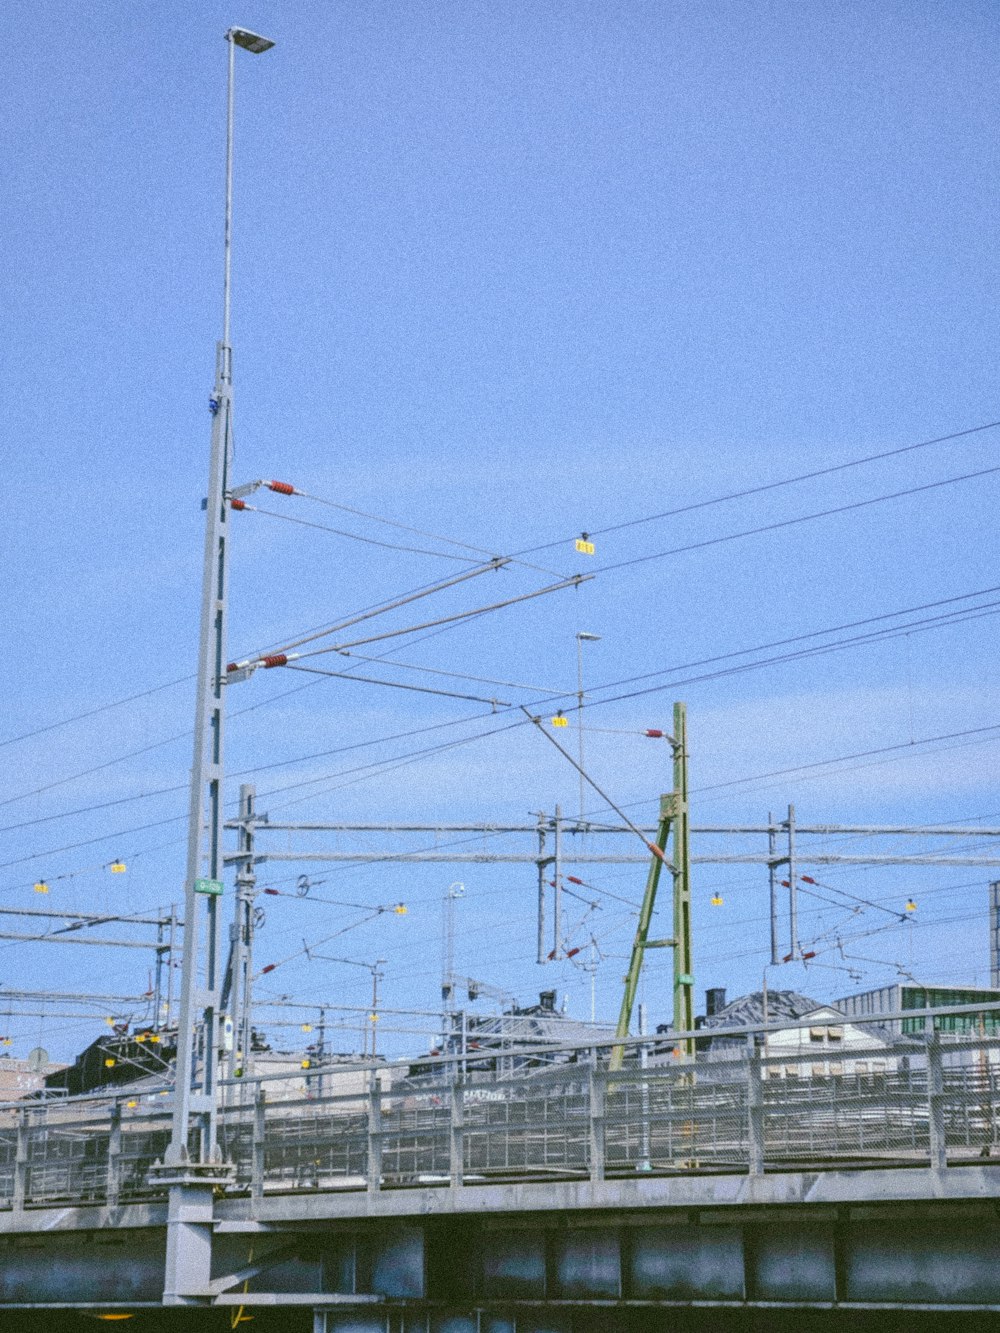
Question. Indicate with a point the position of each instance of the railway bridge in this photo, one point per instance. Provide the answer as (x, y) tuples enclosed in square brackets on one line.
[(528, 1191)]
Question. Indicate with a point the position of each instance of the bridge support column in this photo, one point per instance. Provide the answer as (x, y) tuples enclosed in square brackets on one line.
[(457, 1153), (114, 1155), (755, 1111), (374, 1133), (597, 1108), (190, 1222), (935, 1103), (257, 1165), (189, 1245), (21, 1163)]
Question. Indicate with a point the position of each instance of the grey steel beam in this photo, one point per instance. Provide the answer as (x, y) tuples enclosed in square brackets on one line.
[(83, 939), (598, 858), (263, 824), (85, 916)]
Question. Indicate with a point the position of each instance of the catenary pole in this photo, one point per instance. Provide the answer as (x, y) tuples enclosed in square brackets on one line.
[(192, 1165)]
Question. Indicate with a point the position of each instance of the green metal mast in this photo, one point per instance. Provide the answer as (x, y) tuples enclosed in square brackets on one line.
[(673, 819), (683, 961)]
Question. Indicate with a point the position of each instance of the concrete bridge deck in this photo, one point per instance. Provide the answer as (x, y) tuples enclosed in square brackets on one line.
[(507, 1195)]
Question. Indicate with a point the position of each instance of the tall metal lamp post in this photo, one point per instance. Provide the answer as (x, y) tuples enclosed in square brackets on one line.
[(582, 638), (193, 1166)]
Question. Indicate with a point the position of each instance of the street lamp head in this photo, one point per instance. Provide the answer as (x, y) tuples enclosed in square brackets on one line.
[(584, 637), (250, 41)]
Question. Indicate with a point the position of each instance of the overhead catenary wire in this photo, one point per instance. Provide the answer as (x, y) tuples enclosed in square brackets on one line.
[(405, 600), (838, 645), (779, 524), (307, 949), (397, 685), (858, 754), (658, 852), (402, 761), (817, 650), (275, 659), (357, 537), (810, 634), (764, 487), (462, 675), (94, 712), (755, 779), (744, 493)]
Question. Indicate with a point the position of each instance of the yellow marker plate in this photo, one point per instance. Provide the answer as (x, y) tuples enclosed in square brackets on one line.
[(41, 887), (560, 721), (583, 546), (118, 867)]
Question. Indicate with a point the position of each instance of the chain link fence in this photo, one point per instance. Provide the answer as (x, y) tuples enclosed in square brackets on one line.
[(827, 1096)]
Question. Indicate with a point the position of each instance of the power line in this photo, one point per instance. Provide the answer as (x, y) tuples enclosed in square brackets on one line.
[(396, 685), (96, 768), (820, 650), (354, 536), (463, 675), (798, 638), (573, 581), (419, 532), (774, 485), (93, 712), (403, 600), (792, 522), (91, 809)]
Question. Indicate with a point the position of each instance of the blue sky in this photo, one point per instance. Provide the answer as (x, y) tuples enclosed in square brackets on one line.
[(505, 274)]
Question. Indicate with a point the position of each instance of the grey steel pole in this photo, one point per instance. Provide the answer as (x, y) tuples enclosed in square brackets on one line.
[(199, 974), (557, 891), (772, 842), (541, 862), (195, 1098), (172, 939), (163, 959), (581, 637), (995, 935), (793, 899), (230, 88), (240, 1057), (579, 718), (192, 1167)]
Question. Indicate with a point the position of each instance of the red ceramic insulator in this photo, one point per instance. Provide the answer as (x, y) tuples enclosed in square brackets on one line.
[(282, 487)]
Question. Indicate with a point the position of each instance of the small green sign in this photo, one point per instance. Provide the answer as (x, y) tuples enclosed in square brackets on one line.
[(213, 886), (685, 979)]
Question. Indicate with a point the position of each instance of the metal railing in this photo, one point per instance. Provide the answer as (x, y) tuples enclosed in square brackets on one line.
[(797, 1097)]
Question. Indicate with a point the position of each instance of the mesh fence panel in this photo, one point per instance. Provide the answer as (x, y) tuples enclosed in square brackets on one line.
[(312, 1145), (67, 1161), (827, 1097), (536, 1125), (144, 1140), (677, 1117), (415, 1135)]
